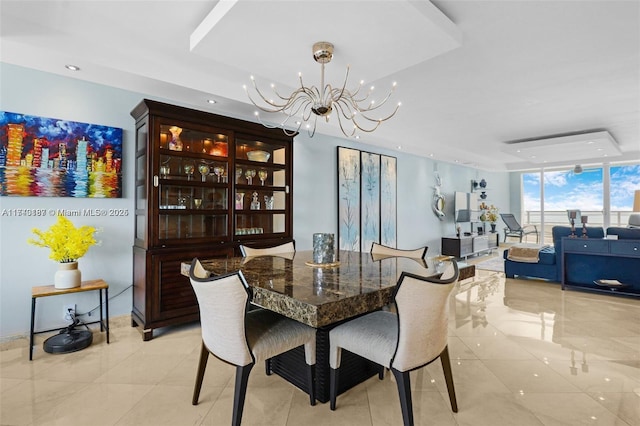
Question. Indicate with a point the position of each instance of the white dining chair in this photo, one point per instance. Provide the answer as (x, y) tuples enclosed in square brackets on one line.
[(379, 249), (285, 248), (402, 342), (243, 338)]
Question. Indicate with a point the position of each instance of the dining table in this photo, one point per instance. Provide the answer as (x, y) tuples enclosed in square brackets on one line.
[(323, 296)]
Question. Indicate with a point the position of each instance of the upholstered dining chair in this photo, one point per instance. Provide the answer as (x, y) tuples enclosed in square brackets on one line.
[(285, 248), (514, 229), (380, 249), (240, 337), (413, 338)]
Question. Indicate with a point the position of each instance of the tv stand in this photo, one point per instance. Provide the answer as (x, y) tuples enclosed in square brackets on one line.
[(465, 246)]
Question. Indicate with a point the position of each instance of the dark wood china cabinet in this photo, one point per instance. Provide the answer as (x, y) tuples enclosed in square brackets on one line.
[(204, 184)]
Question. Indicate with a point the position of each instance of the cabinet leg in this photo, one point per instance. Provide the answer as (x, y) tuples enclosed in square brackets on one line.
[(147, 334)]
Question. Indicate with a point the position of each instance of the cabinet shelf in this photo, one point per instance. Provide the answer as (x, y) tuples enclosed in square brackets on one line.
[(193, 183), (260, 187), (258, 212), (194, 155)]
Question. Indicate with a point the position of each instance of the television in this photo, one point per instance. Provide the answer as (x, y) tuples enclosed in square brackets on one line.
[(466, 207)]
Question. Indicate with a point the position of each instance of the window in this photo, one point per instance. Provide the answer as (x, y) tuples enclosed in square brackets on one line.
[(564, 190)]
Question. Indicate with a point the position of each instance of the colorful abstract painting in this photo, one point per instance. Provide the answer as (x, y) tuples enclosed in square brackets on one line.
[(49, 157), (366, 199)]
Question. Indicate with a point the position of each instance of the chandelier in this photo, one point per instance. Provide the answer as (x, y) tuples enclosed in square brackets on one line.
[(306, 104)]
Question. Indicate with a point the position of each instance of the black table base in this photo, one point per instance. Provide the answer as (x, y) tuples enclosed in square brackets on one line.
[(293, 368)]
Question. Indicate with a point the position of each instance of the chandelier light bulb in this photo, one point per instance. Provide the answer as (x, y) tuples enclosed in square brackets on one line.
[(306, 104)]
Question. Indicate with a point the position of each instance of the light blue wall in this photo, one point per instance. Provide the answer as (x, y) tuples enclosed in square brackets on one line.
[(23, 266)]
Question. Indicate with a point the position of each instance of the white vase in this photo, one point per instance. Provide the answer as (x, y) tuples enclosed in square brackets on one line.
[(67, 276)]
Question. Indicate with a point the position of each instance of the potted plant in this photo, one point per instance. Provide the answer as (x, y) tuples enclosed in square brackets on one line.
[(67, 244)]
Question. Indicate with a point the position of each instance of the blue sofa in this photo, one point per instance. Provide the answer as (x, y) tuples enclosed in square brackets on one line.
[(548, 267), (582, 268)]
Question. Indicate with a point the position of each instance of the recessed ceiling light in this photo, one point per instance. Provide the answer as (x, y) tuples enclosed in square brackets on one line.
[(211, 101), (72, 67), (357, 136), (399, 147)]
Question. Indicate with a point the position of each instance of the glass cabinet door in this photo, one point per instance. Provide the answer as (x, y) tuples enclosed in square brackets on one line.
[(193, 184), (261, 187)]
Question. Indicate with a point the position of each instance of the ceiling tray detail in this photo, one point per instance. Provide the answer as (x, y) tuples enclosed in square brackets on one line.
[(577, 146)]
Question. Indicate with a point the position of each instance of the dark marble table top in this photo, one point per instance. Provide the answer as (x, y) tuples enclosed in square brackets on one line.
[(320, 296)]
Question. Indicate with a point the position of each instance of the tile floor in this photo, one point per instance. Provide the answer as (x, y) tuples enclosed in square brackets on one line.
[(523, 353)]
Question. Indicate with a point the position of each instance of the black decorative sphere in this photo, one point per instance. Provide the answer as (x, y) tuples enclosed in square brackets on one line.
[(483, 183)]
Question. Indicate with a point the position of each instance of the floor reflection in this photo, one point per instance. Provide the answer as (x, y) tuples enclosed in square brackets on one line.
[(523, 353)]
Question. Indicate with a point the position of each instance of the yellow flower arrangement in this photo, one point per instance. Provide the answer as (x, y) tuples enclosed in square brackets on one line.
[(489, 213), (67, 243), (492, 214)]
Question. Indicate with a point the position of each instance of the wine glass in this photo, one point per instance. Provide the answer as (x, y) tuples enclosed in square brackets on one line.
[(197, 202), (188, 169), (218, 172), (238, 173), (250, 174), (164, 171), (262, 174), (204, 171)]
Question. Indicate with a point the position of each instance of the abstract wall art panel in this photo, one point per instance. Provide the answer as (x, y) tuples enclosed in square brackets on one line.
[(370, 192), (366, 199), (49, 157), (348, 199), (388, 195)]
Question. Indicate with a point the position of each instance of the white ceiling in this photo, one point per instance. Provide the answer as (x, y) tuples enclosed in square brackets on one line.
[(474, 77)]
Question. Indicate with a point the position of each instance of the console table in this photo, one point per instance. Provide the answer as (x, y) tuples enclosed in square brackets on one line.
[(601, 259), (50, 290), (465, 246)]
